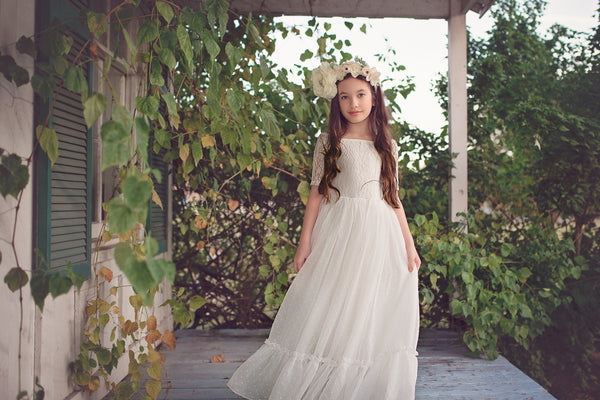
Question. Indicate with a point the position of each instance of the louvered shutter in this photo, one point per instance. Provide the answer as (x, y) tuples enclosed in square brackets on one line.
[(64, 196), (157, 217)]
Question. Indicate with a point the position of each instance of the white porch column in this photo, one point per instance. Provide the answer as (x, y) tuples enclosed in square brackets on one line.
[(457, 108)]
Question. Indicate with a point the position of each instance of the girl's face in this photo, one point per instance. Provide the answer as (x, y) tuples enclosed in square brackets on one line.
[(356, 100)]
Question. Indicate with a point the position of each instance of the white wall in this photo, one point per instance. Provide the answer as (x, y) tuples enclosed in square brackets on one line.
[(16, 132), (50, 339)]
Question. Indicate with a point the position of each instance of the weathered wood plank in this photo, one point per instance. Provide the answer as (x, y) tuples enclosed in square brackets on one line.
[(445, 369)]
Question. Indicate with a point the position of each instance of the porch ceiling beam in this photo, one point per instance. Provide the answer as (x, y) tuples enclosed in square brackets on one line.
[(419, 9)]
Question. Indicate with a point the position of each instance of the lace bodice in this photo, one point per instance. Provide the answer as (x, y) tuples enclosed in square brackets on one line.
[(360, 167)]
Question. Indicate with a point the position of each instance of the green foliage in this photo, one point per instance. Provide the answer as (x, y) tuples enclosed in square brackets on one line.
[(243, 158), (497, 287), (13, 175), (16, 278), (533, 183)]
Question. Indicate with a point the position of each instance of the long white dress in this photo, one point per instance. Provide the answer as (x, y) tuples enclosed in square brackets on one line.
[(348, 326)]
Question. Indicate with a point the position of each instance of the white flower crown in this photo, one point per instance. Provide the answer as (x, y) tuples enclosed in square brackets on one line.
[(325, 77)]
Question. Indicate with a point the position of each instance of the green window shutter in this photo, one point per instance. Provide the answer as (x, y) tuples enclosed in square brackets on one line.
[(158, 217), (64, 190)]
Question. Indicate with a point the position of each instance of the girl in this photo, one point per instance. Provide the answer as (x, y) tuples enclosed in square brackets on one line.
[(348, 326)]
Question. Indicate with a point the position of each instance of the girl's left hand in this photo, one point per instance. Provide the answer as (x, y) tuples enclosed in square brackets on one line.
[(414, 261)]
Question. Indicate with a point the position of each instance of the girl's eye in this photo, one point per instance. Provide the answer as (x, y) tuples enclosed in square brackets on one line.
[(361, 95), (344, 97)]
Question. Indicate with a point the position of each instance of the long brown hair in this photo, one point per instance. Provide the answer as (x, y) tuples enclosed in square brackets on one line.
[(378, 125)]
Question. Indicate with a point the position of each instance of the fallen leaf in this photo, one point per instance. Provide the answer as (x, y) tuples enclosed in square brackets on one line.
[(217, 358)]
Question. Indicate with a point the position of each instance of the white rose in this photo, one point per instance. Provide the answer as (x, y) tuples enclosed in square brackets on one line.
[(371, 74), (324, 79), (350, 67)]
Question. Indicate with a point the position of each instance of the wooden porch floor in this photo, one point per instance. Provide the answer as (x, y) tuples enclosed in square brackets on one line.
[(446, 372)]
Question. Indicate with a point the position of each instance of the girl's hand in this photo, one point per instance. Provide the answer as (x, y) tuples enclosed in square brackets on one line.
[(302, 253), (414, 261)]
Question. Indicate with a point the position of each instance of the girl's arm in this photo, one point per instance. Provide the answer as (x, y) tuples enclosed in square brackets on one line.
[(310, 217), (413, 257)]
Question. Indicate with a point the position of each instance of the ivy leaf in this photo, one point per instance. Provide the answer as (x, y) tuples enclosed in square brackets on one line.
[(234, 100), (16, 278), (122, 115), (59, 284), (12, 71), (234, 54), (142, 133), (208, 141), (43, 85), (93, 107), (255, 35), (306, 55), (197, 151), (93, 21), (147, 32), (153, 388), (14, 176), (165, 11), (48, 142), (124, 390), (166, 57), (103, 355), (349, 24), (121, 217), (115, 149), (136, 192), (25, 45), (169, 99), (134, 269), (155, 371), (75, 80), (304, 190), (60, 64), (270, 124), (163, 138), (212, 47), (77, 279), (39, 288), (184, 151), (157, 79), (196, 302), (148, 105), (185, 44)]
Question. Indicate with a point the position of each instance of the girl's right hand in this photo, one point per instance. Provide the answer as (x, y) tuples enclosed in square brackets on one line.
[(302, 253)]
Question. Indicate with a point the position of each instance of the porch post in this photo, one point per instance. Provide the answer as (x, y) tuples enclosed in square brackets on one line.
[(457, 108)]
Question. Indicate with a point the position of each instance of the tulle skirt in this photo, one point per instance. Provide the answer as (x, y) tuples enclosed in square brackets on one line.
[(349, 324)]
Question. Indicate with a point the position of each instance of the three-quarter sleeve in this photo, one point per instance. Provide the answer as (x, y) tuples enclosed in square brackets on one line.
[(318, 160)]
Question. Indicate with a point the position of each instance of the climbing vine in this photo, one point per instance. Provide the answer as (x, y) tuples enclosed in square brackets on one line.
[(214, 106)]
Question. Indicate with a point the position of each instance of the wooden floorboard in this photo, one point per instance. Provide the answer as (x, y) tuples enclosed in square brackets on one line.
[(446, 372)]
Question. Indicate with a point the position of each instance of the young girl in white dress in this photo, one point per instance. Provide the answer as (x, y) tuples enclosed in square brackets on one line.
[(348, 326)]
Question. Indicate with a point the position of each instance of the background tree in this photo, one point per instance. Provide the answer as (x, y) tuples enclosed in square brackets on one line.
[(534, 170)]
